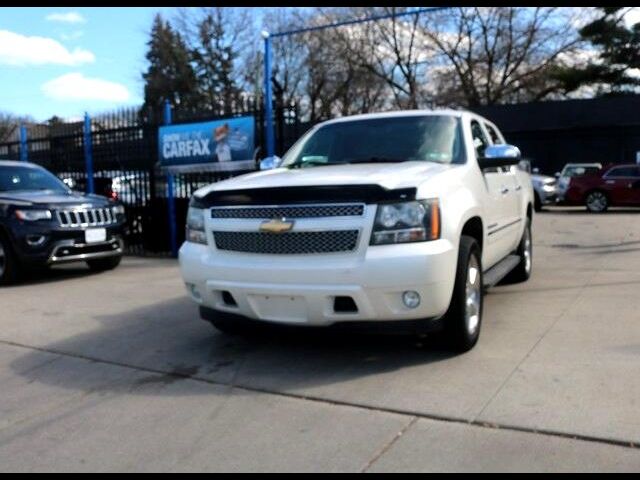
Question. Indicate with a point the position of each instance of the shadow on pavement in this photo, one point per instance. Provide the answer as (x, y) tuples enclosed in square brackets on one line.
[(169, 343)]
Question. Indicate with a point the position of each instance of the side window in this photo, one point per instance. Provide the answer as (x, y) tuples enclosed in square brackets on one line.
[(493, 133), (480, 142), (623, 172)]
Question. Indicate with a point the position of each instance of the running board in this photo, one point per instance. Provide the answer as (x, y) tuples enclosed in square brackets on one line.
[(500, 270)]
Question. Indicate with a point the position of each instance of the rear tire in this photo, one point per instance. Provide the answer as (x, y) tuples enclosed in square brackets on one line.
[(104, 264), (8, 263), (597, 201), (463, 319)]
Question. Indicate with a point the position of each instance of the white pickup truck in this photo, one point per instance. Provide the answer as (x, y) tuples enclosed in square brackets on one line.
[(398, 219)]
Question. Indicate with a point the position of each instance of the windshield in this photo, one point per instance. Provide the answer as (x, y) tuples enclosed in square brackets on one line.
[(14, 179), (434, 138)]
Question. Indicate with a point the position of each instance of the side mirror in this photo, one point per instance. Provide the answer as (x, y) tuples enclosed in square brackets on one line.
[(536, 170), (270, 163), (499, 156), (557, 174)]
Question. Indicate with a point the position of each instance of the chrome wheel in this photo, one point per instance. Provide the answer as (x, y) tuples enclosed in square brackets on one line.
[(474, 296), (528, 254), (596, 201), (3, 260)]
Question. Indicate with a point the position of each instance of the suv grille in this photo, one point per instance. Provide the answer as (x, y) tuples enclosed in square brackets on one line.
[(288, 243), (290, 211), (92, 217)]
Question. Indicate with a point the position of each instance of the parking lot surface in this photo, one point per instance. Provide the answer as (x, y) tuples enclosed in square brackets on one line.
[(115, 372)]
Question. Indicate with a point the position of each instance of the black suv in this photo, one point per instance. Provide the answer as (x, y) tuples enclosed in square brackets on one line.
[(43, 222)]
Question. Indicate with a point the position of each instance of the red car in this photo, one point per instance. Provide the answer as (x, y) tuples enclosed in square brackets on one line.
[(612, 186)]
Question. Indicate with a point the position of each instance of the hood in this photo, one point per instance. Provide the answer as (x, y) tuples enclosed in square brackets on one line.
[(387, 175), (51, 199)]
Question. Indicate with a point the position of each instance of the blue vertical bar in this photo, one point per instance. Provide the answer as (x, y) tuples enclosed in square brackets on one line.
[(24, 149), (268, 95), (171, 201), (88, 153)]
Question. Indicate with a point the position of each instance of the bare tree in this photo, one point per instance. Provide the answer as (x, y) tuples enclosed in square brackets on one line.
[(488, 55), (388, 50), (10, 124)]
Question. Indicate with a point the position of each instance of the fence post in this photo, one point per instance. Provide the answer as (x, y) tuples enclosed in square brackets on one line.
[(171, 201), (268, 105), (24, 149), (88, 152)]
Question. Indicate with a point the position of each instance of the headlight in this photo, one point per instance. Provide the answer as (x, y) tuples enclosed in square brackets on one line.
[(416, 221), (195, 226), (33, 215)]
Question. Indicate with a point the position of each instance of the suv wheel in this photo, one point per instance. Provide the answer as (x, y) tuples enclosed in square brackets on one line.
[(104, 264), (522, 272), (537, 203), (597, 201), (8, 267), (463, 319)]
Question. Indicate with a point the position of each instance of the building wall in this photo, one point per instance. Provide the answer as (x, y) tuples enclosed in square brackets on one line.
[(551, 134)]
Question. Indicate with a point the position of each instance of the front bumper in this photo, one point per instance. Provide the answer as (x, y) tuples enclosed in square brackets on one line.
[(64, 245), (547, 197), (301, 289)]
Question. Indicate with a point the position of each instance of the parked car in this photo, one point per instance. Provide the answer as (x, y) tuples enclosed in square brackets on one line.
[(569, 171), (403, 217), (43, 222), (544, 188), (612, 186)]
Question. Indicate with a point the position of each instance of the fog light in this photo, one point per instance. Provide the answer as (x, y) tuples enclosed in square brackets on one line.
[(411, 299), (193, 290)]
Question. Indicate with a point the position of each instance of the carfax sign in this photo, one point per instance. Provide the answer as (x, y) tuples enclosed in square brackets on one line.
[(218, 145)]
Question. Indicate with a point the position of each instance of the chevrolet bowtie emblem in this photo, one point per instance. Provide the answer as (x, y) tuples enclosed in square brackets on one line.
[(276, 226)]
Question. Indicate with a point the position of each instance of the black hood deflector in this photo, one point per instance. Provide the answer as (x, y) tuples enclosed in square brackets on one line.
[(307, 194)]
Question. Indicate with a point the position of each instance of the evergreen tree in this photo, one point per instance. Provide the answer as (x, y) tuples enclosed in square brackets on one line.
[(618, 52), (214, 51), (170, 75)]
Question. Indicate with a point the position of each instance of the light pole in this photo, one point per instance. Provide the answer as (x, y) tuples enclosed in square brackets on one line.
[(268, 95)]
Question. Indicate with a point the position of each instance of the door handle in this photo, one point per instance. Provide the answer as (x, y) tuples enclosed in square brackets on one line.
[(504, 190), (518, 188)]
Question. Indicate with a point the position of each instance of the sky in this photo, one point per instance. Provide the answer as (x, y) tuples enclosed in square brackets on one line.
[(65, 61)]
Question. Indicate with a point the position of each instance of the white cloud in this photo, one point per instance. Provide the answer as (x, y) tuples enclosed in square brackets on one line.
[(72, 36), (69, 17), (632, 16), (77, 87), (20, 50)]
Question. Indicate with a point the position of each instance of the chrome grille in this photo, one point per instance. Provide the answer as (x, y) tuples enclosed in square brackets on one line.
[(290, 211), (288, 243), (91, 217)]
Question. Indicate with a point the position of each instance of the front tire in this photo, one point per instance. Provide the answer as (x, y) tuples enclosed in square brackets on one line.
[(522, 272), (463, 319), (597, 201), (537, 203), (8, 263), (104, 264)]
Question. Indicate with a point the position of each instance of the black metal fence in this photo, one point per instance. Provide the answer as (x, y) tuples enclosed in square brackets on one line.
[(125, 156)]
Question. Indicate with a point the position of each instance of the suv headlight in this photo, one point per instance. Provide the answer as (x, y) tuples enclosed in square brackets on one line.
[(195, 226), (416, 221), (33, 215)]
